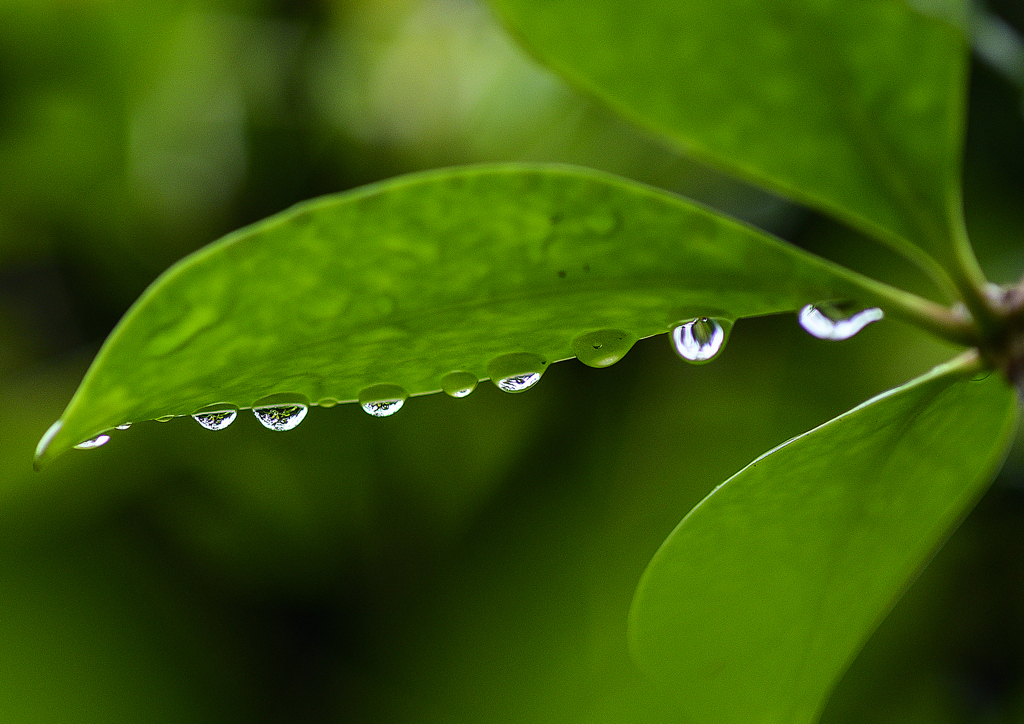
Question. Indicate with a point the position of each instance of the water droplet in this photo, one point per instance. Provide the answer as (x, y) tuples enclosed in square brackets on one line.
[(123, 426), (216, 417), (280, 417), (602, 348), (837, 320), (519, 383), (165, 418), (382, 400), (458, 384), (327, 402), (516, 372), (281, 412), (700, 340), (93, 442)]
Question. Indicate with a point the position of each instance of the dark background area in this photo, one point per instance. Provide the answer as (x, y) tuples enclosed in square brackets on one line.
[(466, 560)]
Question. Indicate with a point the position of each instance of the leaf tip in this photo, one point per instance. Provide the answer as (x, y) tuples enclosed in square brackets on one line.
[(43, 448), (635, 636)]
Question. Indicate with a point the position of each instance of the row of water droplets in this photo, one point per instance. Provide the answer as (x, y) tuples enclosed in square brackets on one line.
[(698, 340), (511, 373), (280, 412)]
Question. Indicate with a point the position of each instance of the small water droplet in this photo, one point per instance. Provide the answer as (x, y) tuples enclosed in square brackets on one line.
[(327, 402), (281, 412), (458, 384), (216, 417), (382, 400), (165, 418), (516, 372), (93, 442), (700, 340), (602, 348), (123, 426), (837, 320)]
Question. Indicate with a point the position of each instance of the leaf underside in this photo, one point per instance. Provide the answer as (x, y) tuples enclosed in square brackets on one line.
[(761, 597), (858, 111), (404, 281)]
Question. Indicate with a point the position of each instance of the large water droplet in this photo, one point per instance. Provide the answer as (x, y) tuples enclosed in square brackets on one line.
[(836, 320), (458, 384), (216, 417), (280, 417), (123, 426), (602, 348), (281, 412), (700, 340), (93, 442), (382, 400), (516, 372)]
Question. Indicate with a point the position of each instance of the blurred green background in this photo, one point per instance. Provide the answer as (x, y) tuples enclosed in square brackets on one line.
[(467, 560)]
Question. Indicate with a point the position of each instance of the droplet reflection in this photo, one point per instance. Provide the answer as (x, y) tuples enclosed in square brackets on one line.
[(382, 400), (281, 412), (699, 340), (519, 383), (94, 442), (836, 321), (516, 372), (280, 417), (216, 417)]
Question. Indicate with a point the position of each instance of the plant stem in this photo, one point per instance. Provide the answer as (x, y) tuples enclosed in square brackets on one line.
[(941, 321), (972, 284)]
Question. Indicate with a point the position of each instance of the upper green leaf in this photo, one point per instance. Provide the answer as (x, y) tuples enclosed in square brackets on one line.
[(855, 109), (402, 282), (761, 597)]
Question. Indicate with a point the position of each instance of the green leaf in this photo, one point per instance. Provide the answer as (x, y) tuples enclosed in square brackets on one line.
[(761, 597), (402, 282), (854, 109)]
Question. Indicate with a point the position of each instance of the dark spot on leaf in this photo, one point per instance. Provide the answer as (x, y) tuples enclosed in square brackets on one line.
[(557, 217), (586, 267), (561, 273)]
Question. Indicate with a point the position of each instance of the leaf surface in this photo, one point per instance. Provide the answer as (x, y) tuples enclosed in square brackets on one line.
[(402, 282), (856, 110), (760, 598)]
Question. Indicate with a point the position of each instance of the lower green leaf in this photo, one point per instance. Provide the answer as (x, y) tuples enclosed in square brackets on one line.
[(761, 597)]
